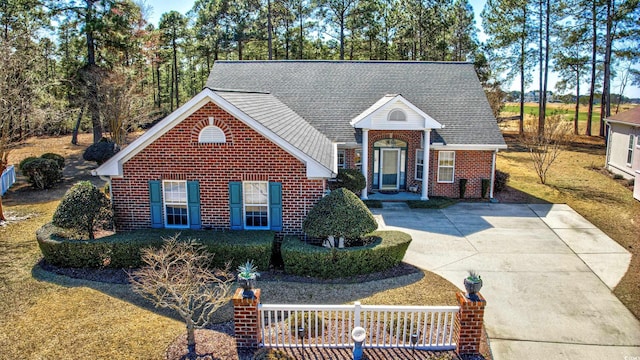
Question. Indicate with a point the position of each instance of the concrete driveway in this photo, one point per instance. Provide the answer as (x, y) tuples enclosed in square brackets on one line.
[(548, 275)]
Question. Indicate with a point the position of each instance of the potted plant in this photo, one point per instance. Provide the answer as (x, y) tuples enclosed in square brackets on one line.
[(247, 274), (473, 284)]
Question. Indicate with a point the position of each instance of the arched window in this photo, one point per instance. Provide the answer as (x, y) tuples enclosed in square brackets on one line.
[(211, 135), (397, 115)]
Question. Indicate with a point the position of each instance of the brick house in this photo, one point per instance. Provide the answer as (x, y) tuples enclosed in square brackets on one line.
[(256, 148)]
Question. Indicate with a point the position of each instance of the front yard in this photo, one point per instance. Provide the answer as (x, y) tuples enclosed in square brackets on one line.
[(49, 316)]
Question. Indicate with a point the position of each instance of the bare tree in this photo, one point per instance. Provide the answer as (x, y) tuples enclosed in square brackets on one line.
[(544, 148), (177, 277)]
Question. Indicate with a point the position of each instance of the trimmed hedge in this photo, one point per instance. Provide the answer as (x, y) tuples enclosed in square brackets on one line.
[(122, 250), (303, 259)]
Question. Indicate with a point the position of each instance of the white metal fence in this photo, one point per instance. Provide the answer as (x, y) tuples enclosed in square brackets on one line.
[(419, 327), (8, 179)]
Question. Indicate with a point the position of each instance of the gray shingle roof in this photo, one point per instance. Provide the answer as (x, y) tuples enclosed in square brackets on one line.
[(284, 122), (328, 94)]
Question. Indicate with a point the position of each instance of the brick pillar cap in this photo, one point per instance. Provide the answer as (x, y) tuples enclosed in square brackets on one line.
[(464, 300), (238, 299)]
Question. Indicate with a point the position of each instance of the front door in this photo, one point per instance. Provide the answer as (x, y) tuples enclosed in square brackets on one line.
[(389, 169)]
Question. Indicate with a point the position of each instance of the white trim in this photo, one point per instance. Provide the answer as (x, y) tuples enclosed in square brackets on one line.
[(381, 172), (113, 166), (622, 123), (244, 207), (363, 120), (480, 147), (453, 167), (426, 159), (166, 203), (394, 111), (364, 163), (630, 148), (493, 174), (415, 168), (344, 158)]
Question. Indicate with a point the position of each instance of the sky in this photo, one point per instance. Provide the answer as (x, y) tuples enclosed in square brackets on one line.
[(158, 7)]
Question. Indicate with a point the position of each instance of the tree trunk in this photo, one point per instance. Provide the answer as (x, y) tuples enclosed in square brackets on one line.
[(605, 104), (2, 218), (191, 341), (541, 70), (522, 75), (175, 70), (575, 119), (301, 30), (76, 127), (543, 114), (269, 30), (342, 36), (594, 55)]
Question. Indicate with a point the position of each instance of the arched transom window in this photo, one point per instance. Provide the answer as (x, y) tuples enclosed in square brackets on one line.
[(397, 115), (211, 134)]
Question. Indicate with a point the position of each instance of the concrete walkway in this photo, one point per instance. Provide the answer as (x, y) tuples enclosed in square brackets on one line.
[(548, 275)]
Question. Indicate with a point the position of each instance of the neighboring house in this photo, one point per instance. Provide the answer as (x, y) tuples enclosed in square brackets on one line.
[(256, 148), (623, 146)]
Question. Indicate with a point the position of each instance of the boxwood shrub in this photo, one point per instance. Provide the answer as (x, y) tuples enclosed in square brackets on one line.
[(386, 251), (122, 250)]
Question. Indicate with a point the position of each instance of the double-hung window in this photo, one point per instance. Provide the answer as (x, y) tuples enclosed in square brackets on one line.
[(630, 150), (446, 164), (256, 204), (419, 164), (342, 159), (175, 203)]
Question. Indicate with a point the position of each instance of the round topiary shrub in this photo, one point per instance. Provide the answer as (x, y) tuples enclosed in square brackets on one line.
[(339, 214), (100, 151), (55, 157), (42, 173), (83, 208), (351, 179)]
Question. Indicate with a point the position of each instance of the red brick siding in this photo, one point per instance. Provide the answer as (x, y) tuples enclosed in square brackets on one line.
[(247, 155), (472, 165)]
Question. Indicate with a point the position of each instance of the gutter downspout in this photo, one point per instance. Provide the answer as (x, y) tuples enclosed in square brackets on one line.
[(493, 177)]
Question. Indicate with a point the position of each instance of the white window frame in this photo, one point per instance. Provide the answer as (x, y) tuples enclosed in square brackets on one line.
[(173, 202), (358, 164), (630, 150), (452, 167), (245, 204), (343, 153), (390, 117), (419, 151)]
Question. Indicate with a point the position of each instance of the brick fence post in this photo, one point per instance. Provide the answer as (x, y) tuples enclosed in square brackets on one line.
[(246, 319), (468, 325)]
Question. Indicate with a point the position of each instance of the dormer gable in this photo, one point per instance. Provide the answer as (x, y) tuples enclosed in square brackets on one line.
[(394, 112)]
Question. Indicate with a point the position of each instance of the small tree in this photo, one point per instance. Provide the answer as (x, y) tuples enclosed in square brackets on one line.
[(544, 148), (341, 214), (82, 209), (177, 277)]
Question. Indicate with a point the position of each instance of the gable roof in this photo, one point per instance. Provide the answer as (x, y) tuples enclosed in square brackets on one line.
[(631, 117), (363, 120), (329, 94), (262, 112)]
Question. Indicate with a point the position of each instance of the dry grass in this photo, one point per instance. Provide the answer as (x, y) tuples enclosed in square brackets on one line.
[(575, 180), (47, 316)]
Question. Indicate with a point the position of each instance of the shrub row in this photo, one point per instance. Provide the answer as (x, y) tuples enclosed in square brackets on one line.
[(122, 250), (386, 251)]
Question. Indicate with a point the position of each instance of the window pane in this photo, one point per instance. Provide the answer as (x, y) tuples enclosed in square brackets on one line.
[(419, 164), (341, 159), (445, 174), (177, 215), (255, 193), (256, 216)]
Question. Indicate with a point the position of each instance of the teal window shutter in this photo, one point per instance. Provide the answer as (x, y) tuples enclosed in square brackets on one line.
[(235, 205), (193, 202), (275, 206), (155, 200)]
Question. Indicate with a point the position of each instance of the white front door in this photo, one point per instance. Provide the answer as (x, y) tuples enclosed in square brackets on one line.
[(389, 169)]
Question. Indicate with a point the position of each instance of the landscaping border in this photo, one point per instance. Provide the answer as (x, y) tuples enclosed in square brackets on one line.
[(122, 250)]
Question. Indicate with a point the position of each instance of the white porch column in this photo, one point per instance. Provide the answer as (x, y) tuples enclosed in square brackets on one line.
[(364, 162), (426, 141)]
